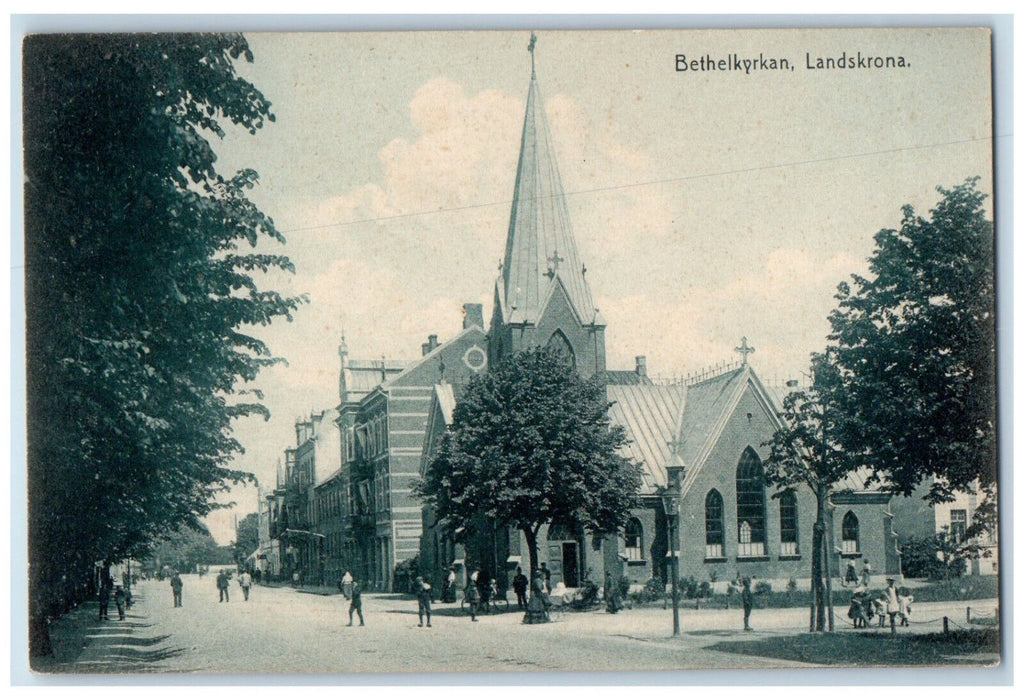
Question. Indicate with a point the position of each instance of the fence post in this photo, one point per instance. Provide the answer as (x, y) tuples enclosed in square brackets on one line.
[(968, 614), (945, 625)]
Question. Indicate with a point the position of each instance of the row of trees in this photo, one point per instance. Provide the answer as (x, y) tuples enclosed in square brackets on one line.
[(140, 288), (905, 390)]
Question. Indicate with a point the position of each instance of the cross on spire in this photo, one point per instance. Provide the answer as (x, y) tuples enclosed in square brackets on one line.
[(553, 263), (531, 48), (745, 349)]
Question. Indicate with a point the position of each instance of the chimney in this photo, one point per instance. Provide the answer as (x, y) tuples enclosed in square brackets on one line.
[(425, 348), (473, 315), (641, 365)]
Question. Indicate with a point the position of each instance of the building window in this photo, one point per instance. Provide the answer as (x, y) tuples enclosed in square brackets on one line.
[(851, 533), (560, 345), (788, 525), (634, 540), (750, 504), (714, 527), (958, 525)]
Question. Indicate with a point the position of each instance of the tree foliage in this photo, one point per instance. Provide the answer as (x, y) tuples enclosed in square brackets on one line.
[(247, 537), (914, 344), (140, 267), (185, 548), (530, 444), (805, 452)]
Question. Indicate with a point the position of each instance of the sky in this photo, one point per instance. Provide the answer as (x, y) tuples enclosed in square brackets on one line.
[(708, 206)]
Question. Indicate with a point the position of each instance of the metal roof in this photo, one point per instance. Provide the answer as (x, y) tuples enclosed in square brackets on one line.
[(540, 249), (650, 414)]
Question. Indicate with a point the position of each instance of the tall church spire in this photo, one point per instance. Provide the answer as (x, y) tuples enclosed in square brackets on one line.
[(540, 251)]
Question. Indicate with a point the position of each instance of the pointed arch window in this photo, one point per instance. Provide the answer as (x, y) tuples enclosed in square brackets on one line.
[(788, 531), (634, 540), (559, 344), (750, 504), (714, 526), (851, 533)]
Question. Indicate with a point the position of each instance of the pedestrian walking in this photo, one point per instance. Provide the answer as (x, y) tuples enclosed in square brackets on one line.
[(355, 604), (176, 586), (119, 600), (472, 595), (346, 584), (546, 573), (748, 605), (851, 575), (104, 597), (519, 584), (423, 597), (865, 574), (222, 586), (245, 581)]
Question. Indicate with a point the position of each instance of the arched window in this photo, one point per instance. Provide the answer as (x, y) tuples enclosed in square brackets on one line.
[(788, 525), (750, 504), (558, 343), (634, 540), (714, 526), (851, 533)]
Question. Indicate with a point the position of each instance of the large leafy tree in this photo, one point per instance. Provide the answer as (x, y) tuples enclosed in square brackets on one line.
[(805, 452), (247, 537), (140, 290), (531, 443), (914, 344)]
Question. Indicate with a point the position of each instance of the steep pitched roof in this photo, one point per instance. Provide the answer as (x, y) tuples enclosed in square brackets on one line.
[(650, 414), (540, 248)]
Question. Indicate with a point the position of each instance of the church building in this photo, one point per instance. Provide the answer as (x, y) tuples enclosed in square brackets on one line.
[(711, 429)]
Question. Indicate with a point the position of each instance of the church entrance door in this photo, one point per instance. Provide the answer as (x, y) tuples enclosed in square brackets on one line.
[(570, 565)]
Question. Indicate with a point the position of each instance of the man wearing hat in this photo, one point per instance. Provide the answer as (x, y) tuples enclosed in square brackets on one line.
[(423, 595), (892, 602)]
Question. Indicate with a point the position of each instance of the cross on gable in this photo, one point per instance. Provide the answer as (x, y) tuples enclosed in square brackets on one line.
[(745, 349), (553, 264)]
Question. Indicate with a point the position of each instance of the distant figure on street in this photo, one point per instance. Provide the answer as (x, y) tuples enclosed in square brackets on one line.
[(906, 601), (176, 587), (546, 573), (851, 574), (448, 594), (104, 597), (423, 596), (537, 607), (257, 576), (858, 611), (355, 604), (519, 584), (245, 581), (222, 586), (865, 574), (612, 595), (119, 601), (748, 605), (483, 586), (892, 602), (346, 584), (472, 595)]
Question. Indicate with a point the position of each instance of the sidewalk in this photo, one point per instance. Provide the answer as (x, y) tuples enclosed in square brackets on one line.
[(83, 644)]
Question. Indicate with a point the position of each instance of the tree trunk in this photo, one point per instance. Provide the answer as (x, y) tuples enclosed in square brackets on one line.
[(531, 546)]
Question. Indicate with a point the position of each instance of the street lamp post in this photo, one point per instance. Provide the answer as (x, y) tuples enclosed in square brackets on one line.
[(670, 501)]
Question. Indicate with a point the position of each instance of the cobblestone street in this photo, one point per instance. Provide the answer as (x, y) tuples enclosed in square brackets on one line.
[(281, 630)]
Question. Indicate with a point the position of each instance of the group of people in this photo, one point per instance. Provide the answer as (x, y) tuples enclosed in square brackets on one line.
[(892, 605), (121, 597), (245, 581)]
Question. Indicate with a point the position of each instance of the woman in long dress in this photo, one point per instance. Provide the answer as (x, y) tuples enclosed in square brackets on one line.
[(537, 607)]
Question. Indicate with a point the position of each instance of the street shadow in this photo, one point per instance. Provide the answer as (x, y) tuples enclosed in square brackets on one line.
[(141, 642)]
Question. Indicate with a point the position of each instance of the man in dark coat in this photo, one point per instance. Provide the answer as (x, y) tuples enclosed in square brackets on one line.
[(748, 605), (355, 604), (423, 596), (222, 586), (176, 587), (519, 585), (104, 600)]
